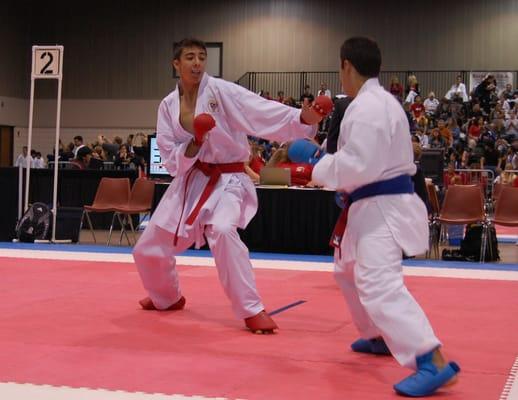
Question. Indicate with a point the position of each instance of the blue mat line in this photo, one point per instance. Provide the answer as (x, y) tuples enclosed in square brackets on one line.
[(256, 256), (279, 310)]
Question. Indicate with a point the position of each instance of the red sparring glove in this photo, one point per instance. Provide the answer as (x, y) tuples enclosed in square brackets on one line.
[(323, 105), (202, 124)]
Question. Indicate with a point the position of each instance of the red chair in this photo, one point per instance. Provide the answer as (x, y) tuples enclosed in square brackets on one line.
[(111, 194), (464, 204), (433, 223), (140, 202)]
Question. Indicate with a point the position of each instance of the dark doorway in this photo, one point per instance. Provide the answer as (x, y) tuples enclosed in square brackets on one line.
[(6, 146)]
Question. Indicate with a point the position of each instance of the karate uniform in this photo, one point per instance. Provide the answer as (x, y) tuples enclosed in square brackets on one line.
[(238, 113), (457, 90), (374, 145)]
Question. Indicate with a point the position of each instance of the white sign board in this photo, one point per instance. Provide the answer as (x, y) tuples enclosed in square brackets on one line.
[(502, 79), (47, 61)]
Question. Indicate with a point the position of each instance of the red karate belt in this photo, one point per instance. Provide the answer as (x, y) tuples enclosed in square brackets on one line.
[(341, 224), (213, 171)]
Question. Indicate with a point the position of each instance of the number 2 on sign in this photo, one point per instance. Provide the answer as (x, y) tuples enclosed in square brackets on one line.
[(45, 69)]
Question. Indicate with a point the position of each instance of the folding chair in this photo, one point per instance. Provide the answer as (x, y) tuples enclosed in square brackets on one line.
[(464, 204), (111, 193), (140, 201)]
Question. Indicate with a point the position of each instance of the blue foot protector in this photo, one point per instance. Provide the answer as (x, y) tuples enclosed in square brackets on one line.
[(371, 346), (427, 379)]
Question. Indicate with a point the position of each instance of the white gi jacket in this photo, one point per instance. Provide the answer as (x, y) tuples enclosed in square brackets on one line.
[(238, 113), (457, 90), (374, 145)]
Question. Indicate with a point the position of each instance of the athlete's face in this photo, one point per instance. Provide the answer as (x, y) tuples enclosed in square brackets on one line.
[(191, 65)]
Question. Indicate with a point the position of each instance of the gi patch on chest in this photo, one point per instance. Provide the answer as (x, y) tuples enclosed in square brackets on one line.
[(213, 105)]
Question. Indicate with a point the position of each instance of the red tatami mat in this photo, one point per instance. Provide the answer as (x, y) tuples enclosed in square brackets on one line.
[(77, 324)]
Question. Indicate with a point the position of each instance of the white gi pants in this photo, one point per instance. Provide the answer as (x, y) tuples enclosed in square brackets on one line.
[(155, 253), (372, 284)]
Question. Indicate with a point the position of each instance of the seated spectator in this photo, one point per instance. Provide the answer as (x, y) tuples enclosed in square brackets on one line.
[(256, 157), (280, 96), (475, 130), (111, 148), (417, 108), (510, 104), (511, 125), (451, 176), (430, 104), (98, 153), (491, 155), (82, 160), (290, 101), (506, 177), (422, 137), (507, 93), (124, 159), (436, 141), (453, 126), (396, 88), (306, 97), (445, 133), (324, 90), (443, 111)]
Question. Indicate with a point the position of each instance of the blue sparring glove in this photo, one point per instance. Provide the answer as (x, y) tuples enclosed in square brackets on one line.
[(305, 151)]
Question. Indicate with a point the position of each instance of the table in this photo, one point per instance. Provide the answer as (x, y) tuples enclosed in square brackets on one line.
[(288, 220)]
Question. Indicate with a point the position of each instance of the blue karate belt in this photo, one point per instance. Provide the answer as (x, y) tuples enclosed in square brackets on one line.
[(399, 185)]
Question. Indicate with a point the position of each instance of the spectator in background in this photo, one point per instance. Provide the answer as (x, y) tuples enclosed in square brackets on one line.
[(430, 104), (452, 177), (422, 137), (324, 91), (445, 133), (396, 88), (506, 177), (507, 93), (484, 91), (457, 91), (443, 111), (37, 161), (475, 129), (453, 126), (417, 108), (412, 89), (82, 160), (78, 143), (300, 172), (140, 147), (280, 96), (511, 125), (111, 148), (436, 140), (22, 158), (491, 155), (124, 158), (510, 104), (99, 153), (306, 97), (290, 101)]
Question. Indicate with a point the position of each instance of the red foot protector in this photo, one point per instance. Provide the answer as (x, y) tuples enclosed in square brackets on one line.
[(323, 105), (261, 323), (202, 124), (147, 304)]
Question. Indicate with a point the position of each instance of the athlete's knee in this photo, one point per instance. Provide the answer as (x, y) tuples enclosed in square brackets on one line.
[(221, 230)]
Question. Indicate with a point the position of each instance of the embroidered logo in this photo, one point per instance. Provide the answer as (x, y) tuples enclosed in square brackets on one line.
[(213, 105)]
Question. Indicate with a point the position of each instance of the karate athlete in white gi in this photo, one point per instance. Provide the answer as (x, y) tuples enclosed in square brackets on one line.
[(373, 166), (211, 195)]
